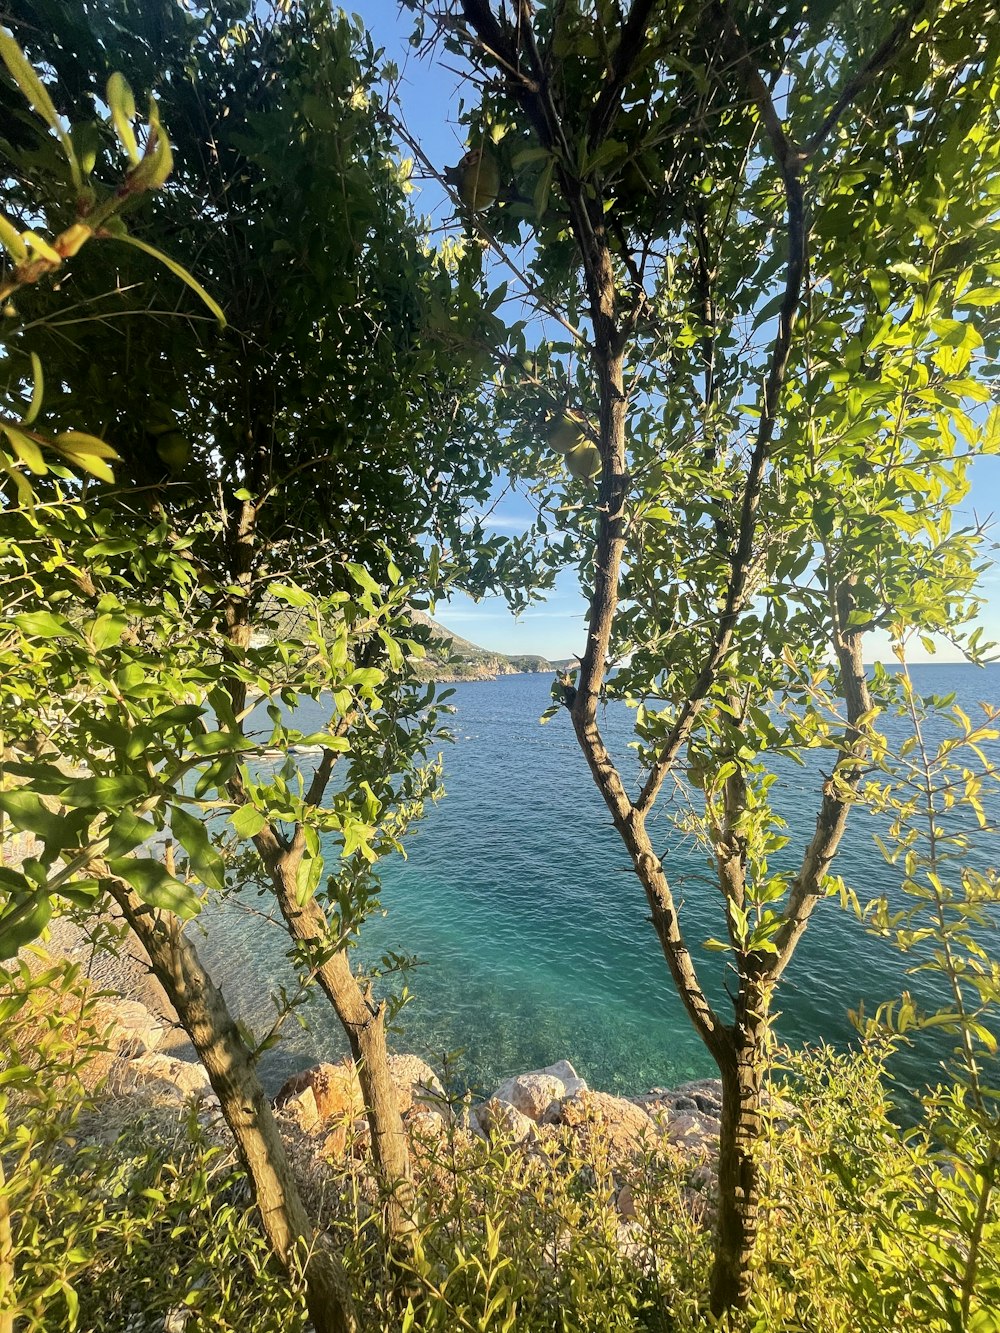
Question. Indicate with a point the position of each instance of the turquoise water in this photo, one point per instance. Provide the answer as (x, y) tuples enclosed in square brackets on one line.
[(532, 935)]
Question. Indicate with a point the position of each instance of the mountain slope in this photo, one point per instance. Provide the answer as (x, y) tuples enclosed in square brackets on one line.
[(450, 657)]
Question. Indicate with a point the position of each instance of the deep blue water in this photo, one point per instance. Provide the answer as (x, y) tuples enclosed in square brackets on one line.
[(532, 934)]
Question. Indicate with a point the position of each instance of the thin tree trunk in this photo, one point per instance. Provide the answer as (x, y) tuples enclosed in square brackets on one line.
[(364, 1022), (739, 1139), (7, 1273), (206, 1019)]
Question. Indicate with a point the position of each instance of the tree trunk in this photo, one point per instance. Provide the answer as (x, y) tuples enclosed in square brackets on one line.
[(742, 1071), (7, 1273), (364, 1022), (206, 1019)]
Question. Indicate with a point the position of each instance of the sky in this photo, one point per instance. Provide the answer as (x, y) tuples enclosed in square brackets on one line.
[(429, 93)]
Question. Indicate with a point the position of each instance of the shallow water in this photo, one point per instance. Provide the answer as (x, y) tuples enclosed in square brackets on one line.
[(532, 935)]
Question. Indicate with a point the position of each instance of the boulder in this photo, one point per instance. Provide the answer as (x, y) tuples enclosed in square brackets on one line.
[(539, 1093), (498, 1119), (426, 1124), (693, 1131), (131, 1028), (702, 1096), (301, 1110), (335, 1089), (625, 1128), (418, 1088), (189, 1078), (159, 1076)]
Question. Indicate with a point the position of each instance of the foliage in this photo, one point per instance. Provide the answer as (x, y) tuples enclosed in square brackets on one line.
[(120, 730), (866, 1226), (937, 794), (34, 259), (770, 233), (48, 1038), (160, 1220), (340, 394)]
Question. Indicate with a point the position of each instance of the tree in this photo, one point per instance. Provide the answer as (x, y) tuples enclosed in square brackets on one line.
[(352, 372), (329, 417), (767, 231)]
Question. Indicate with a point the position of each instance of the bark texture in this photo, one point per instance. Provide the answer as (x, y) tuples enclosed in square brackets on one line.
[(206, 1019), (737, 1221), (364, 1022)]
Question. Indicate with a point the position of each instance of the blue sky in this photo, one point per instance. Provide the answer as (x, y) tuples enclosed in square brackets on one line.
[(429, 93)]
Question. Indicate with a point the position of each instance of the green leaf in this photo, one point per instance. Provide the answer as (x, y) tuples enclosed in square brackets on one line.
[(34, 90), (363, 579), (29, 813), (155, 886), (107, 631), (44, 625), (290, 594), (37, 389), (108, 792), (128, 832), (205, 859), (32, 916), (248, 821), (219, 742), (179, 271)]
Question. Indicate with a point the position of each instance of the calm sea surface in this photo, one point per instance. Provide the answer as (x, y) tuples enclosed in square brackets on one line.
[(531, 935)]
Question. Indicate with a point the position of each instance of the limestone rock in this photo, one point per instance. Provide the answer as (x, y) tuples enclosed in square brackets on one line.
[(160, 1076), (539, 1093), (132, 1029), (418, 1088), (426, 1124), (501, 1119), (335, 1088), (188, 1077), (625, 1128), (693, 1130), (301, 1110), (625, 1202), (702, 1096)]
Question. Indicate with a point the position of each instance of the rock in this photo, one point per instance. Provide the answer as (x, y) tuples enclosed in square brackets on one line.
[(426, 1124), (500, 1119), (301, 1110), (625, 1202), (335, 1089), (693, 1130), (625, 1128), (703, 1096), (706, 1093), (162, 1076), (187, 1076), (539, 1093), (132, 1029), (418, 1088)]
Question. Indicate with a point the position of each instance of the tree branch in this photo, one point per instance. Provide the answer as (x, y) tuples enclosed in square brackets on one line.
[(630, 44), (838, 790), (789, 162), (879, 61)]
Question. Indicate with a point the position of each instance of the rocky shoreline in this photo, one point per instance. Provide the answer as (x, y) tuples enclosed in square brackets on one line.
[(320, 1114), (320, 1109)]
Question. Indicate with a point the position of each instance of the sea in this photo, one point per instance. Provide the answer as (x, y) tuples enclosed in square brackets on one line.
[(530, 936)]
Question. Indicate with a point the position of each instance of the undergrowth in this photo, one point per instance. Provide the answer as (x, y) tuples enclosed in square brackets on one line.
[(864, 1225)]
